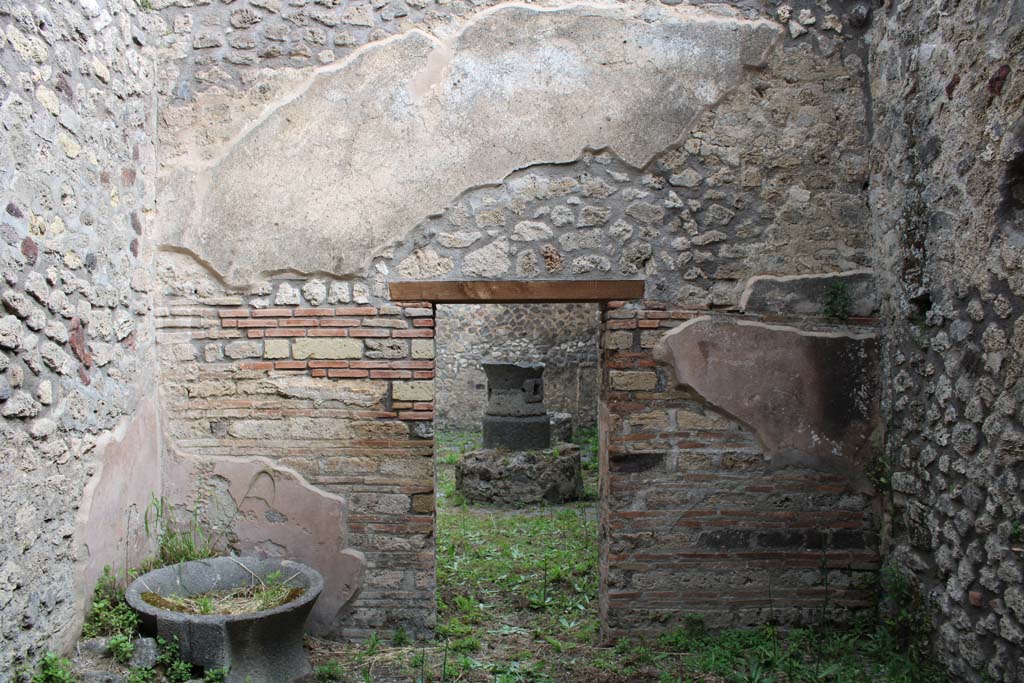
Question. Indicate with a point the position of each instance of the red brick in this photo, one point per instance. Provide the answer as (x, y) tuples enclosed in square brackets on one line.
[(407, 415), (362, 332), (649, 324), (390, 374), (333, 332), (256, 323), (371, 364), (230, 323), (355, 310), (234, 313), (417, 334), (319, 373), (255, 334), (286, 333), (423, 374), (423, 322), (299, 323), (328, 363), (386, 322), (290, 365), (307, 312), (412, 364), (272, 313), (338, 374), (428, 405)]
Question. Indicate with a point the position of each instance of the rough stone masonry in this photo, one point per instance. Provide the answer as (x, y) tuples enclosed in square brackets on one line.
[(752, 161)]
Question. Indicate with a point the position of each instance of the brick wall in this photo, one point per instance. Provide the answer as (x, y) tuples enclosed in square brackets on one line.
[(695, 519), (343, 395)]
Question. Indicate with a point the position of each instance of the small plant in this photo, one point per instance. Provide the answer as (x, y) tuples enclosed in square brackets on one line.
[(467, 644), (121, 648), (168, 657), (372, 644), (53, 669), (215, 676), (138, 675), (837, 301), (192, 543), (400, 638), (110, 615), (179, 672), (328, 673)]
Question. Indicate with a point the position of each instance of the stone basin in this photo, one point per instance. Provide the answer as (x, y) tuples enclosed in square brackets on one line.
[(257, 647)]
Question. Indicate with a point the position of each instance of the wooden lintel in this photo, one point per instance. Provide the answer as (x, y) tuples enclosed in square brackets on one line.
[(517, 291)]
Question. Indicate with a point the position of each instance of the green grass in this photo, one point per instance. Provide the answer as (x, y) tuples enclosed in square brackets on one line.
[(534, 571)]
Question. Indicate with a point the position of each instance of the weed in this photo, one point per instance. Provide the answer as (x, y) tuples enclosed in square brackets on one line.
[(191, 543), (372, 644), (53, 669), (400, 638), (587, 439), (467, 644), (328, 673), (138, 675), (121, 647), (168, 657), (179, 672), (215, 676), (837, 302), (109, 615)]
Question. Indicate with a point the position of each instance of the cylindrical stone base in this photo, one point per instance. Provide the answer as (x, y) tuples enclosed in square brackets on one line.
[(526, 433)]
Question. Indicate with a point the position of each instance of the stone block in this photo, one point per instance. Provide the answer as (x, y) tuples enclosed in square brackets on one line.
[(517, 433), (413, 391), (327, 348), (277, 348), (620, 340), (423, 349), (242, 349), (633, 380)]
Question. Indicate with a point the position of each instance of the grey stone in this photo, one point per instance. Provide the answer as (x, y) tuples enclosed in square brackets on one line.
[(11, 332), (561, 427), (521, 477), (259, 647), (808, 294), (515, 389), (20, 404), (145, 655)]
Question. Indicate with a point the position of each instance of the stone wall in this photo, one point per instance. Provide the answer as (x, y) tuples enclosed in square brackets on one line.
[(78, 438), (756, 168), (947, 97), (562, 336)]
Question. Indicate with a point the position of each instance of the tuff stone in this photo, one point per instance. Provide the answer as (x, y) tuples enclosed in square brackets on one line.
[(326, 349)]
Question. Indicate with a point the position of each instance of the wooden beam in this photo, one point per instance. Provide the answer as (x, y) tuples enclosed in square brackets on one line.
[(517, 291)]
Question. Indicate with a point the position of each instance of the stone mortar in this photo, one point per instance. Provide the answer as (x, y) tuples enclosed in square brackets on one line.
[(257, 647)]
